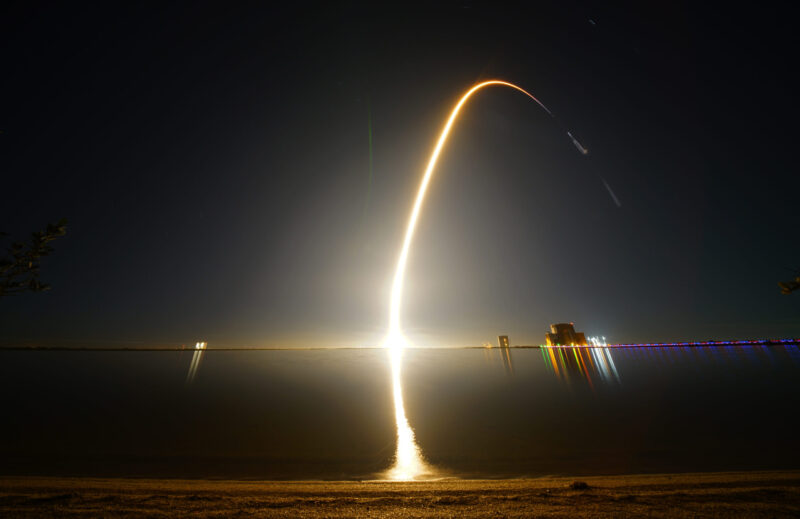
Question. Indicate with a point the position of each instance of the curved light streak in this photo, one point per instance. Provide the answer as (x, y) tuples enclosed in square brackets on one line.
[(409, 463), (400, 272)]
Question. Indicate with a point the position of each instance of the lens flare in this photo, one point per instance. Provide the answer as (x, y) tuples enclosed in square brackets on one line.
[(409, 463)]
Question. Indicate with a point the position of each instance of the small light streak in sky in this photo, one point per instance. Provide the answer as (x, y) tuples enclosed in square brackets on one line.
[(578, 145), (199, 348), (610, 192)]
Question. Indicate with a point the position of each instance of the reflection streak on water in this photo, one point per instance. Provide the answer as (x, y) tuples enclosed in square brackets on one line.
[(505, 353), (408, 461), (199, 348), (586, 362), (597, 362)]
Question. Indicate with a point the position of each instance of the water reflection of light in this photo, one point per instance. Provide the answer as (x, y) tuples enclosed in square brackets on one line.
[(199, 348), (606, 364), (505, 353), (595, 362), (585, 362), (408, 461)]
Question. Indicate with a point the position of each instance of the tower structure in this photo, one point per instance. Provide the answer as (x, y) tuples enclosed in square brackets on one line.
[(564, 334)]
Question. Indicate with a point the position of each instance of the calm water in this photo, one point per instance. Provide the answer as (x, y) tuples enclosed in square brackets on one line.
[(329, 413)]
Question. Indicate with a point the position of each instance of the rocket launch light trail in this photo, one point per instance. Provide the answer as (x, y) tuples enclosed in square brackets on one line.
[(409, 463)]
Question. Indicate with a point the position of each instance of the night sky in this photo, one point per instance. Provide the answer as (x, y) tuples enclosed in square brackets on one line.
[(215, 166)]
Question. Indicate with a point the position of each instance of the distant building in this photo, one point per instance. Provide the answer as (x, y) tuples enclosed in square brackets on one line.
[(502, 340), (564, 334)]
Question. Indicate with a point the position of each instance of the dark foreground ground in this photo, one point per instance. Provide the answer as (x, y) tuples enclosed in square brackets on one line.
[(744, 494)]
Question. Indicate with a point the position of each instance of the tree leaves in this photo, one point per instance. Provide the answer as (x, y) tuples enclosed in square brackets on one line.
[(19, 269)]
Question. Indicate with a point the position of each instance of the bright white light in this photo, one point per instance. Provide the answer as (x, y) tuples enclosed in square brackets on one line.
[(408, 462), (598, 342)]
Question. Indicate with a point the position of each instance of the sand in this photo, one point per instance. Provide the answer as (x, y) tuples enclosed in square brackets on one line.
[(739, 494)]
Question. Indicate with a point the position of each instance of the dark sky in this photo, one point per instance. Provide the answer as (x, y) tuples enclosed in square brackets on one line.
[(213, 161)]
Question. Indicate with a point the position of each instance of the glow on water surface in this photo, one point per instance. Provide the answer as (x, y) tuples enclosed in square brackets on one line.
[(328, 414)]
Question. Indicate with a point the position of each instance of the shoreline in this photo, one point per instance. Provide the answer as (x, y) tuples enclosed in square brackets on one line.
[(713, 494)]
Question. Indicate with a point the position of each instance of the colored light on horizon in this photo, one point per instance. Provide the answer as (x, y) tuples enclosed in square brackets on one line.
[(678, 344)]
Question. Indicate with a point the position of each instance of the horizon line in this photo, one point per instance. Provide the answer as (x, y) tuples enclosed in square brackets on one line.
[(745, 342)]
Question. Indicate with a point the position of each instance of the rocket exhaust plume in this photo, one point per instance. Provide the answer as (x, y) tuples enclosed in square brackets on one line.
[(409, 463)]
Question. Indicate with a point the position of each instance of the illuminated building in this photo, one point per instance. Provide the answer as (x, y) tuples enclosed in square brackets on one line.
[(502, 341), (564, 334)]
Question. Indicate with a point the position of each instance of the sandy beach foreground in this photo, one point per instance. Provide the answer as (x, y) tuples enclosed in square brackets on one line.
[(738, 494)]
